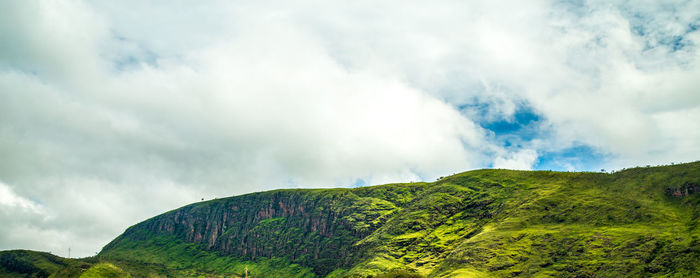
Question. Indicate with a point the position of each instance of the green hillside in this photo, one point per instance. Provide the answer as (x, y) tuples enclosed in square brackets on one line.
[(25, 263), (484, 223)]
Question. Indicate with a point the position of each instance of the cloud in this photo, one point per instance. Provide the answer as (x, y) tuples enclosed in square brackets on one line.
[(111, 113), (521, 160), (105, 145), (10, 200), (20, 217)]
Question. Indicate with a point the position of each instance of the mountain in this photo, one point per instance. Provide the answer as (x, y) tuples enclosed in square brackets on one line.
[(483, 223)]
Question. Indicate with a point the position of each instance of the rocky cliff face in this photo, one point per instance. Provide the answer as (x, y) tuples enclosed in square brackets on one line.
[(317, 230)]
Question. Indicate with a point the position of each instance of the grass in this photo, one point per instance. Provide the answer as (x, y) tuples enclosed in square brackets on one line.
[(105, 270)]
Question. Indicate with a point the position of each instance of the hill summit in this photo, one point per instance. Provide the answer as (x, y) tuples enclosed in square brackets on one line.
[(483, 223)]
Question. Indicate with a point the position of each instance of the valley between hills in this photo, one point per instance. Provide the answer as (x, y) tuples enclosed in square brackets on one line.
[(639, 222)]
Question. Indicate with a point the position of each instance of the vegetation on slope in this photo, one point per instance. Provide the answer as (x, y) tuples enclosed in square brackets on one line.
[(106, 270), (25, 263), (484, 223), (318, 229)]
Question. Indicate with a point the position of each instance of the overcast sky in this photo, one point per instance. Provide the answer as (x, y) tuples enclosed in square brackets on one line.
[(114, 111)]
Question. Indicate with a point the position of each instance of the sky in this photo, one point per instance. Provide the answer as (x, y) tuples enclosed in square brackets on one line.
[(112, 112)]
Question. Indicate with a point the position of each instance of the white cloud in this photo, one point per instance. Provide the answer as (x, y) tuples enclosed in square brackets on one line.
[(520, 160), (127, 110), (10, 200), (22, 220), (264, 109)]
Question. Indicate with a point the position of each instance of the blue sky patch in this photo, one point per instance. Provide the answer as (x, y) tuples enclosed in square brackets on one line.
[(359, 183), (578, 158), (522, 126), (522, 118)]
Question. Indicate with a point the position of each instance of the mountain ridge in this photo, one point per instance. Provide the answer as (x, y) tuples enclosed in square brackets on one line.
[(489, 222)]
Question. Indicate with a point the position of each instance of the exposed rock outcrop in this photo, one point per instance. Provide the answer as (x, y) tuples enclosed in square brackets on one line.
[(307, 227), (686, 189)]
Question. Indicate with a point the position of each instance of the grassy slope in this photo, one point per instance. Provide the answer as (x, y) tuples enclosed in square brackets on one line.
[(480, 223), (106, 270), (165, 256), (507, 223)]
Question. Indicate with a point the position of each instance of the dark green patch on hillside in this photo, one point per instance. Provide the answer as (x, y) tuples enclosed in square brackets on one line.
[(25, 263)]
